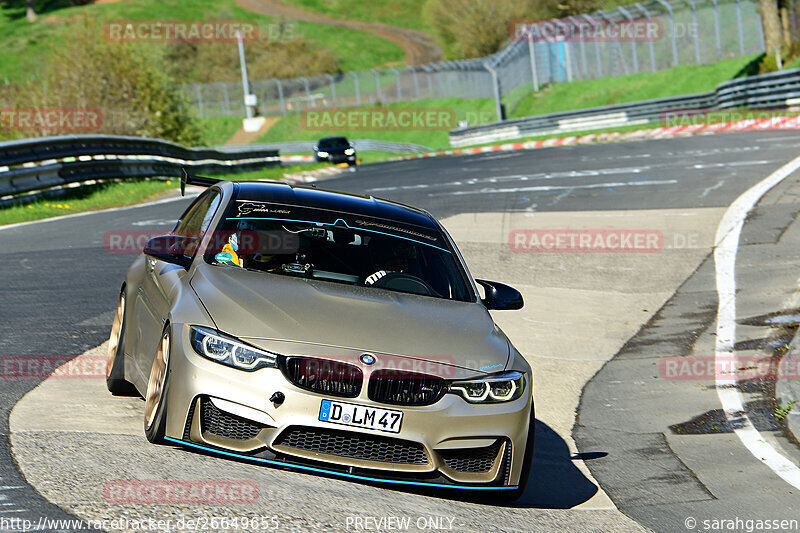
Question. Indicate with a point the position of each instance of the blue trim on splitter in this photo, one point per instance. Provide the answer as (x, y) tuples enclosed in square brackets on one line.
[(332, 472)]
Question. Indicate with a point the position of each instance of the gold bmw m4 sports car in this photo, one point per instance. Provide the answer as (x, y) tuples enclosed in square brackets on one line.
[(327, 332)]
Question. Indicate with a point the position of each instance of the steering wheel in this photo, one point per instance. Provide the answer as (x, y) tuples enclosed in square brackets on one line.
[(401, 281)]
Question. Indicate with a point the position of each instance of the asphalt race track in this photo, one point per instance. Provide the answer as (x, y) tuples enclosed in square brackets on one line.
[(622, 444)]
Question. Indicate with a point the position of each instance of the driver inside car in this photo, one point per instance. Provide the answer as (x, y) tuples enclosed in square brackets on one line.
[(387, 257)]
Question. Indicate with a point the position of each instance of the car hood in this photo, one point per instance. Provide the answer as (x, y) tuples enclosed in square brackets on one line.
[(266, 309)]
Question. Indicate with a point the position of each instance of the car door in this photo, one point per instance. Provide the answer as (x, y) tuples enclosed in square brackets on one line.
[(154, 297)]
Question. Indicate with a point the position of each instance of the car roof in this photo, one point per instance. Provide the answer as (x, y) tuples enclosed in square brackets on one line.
[(337, 138), (354, 204)]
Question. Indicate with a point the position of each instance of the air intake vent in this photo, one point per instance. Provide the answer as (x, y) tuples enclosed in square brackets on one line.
[(473, 460), (353, 445), (222, 424), (398, 387), (324, 376)]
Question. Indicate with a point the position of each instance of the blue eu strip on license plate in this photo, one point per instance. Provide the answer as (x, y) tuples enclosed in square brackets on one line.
[(361, 416)]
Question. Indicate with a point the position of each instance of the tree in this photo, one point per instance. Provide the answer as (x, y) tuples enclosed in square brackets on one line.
[(771, 23), (31, 11)]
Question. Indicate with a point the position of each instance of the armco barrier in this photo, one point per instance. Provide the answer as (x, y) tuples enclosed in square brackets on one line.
[(44, 162), (767, 91)]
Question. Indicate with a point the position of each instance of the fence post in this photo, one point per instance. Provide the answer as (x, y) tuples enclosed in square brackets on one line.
[(225, 98), (397, 81), (378, 82), (582, 41), (532, 56), (199, 99), (416, 81), (427, 70), (567, 55), (672, 27), (308, 90), (646, 13), (716, 28), (333, 88), (591, 21), (496, 84), (741, 26), (280, 95), (627, 15), (358, 92), (696, 31)]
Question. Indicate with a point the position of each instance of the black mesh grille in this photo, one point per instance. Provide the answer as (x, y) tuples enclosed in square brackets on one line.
[(324, 376), (398, 387), (226, 425), (476, 460), (507, 463), (353, 445)]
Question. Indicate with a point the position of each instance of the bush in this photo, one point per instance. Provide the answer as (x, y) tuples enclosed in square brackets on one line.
[(272, 56), (475, 28), (128, 85)]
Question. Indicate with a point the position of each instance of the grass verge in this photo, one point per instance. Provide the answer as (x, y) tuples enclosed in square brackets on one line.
[(685, 79), (114, 194)]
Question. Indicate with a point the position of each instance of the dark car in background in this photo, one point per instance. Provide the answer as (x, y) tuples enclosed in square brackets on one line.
[(335, 150)]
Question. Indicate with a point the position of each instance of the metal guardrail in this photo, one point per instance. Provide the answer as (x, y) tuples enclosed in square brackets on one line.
[(306, 147), (767, 91), (45, 162)]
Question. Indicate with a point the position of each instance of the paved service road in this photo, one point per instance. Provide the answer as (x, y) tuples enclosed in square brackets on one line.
[(604, 318)]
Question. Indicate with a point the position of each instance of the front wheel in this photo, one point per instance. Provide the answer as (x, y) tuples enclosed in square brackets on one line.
[(155, 406)]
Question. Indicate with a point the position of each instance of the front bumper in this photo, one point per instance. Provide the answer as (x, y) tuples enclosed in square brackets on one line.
[(337, 158), (450, 443)]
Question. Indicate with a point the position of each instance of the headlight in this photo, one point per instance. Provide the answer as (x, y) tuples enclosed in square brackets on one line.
[(228, 351), (322, 154), (349, 151), (496, 388)]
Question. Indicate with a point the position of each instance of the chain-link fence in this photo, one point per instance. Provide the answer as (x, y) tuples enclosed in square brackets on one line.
[(644, 37)]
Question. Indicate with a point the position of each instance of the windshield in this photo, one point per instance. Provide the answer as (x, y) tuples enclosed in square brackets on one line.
[(337, 247), (333, 142)]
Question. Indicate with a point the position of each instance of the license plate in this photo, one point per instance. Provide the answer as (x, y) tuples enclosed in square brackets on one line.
[(360, 416)]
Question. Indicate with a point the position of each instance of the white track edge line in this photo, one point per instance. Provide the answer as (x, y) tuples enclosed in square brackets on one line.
[(726, 247)]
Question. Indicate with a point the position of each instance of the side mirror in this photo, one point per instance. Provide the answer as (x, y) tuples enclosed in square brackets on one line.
[(315, 148), (500, 296), (175, 249)]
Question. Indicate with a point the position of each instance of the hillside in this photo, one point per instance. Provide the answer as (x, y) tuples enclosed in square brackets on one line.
[(342, 49)]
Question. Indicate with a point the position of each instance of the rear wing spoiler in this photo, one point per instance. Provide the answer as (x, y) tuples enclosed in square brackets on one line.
[(200, 181)]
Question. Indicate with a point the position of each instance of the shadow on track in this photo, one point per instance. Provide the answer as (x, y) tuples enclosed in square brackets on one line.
[(555, 482)]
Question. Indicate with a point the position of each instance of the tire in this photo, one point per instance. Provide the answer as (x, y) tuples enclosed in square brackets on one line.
[(155, 406), (115, 362)]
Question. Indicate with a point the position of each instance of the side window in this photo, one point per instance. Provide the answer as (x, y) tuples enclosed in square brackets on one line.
[(195, 221), (198, 216)]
